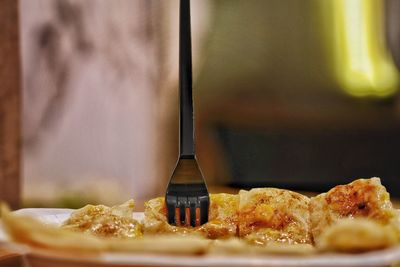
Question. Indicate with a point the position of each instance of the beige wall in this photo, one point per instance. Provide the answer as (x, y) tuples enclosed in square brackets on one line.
[(95, 76)]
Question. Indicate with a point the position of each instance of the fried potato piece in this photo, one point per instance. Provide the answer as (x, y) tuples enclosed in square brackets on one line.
[(362, 198), (357, 235), (30, 231), (104, 221), (222, 218), (270, 216)]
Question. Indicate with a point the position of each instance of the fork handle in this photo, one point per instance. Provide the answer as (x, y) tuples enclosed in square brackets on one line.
[(186, 133)]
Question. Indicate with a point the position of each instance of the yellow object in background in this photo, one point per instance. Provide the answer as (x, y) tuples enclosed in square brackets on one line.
[(362, 63)]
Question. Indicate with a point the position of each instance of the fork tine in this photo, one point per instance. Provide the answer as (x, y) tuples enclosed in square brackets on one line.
[(203, 211), (182, 211), (177, 222), (192, 203), (171, 210), (198, 216), (187, 216)]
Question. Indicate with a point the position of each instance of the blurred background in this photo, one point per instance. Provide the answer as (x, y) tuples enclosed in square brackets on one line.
[(294, 94)]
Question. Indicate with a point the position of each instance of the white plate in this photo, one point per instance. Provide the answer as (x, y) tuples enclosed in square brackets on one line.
[(56, 216)]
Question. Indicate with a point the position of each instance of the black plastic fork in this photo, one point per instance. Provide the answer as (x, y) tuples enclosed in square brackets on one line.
[(186, 197)]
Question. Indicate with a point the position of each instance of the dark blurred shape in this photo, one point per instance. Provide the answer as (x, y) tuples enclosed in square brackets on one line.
[(310, 161), (301, 94)]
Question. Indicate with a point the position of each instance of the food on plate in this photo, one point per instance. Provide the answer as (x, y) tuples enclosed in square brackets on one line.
[(362, 198), (222, 222), (355, 217), (357, 235), (28, 230), (106, 221), (270, 215)]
